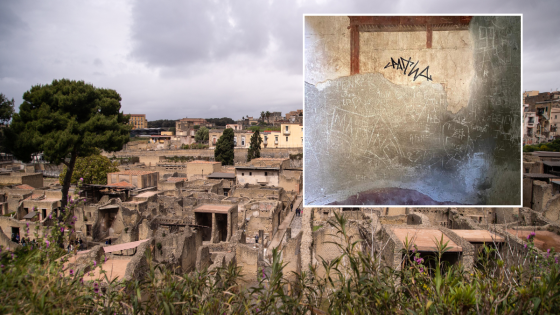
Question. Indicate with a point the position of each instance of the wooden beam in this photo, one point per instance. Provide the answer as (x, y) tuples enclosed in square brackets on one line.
[(428, 35), (354, 50)]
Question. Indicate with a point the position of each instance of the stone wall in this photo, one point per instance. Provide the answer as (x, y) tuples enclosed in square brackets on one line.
[(542, 192), (291, 255)]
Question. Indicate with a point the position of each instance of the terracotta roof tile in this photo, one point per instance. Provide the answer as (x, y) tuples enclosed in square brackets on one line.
[(122, 184)]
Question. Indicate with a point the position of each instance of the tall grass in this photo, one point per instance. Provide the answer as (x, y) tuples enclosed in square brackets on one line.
[(31, 282)]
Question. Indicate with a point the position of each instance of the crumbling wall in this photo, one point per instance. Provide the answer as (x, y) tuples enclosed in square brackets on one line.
[(6, 242), (306, 239), (527, 192), (552, 209), (291, 255), (393, 220), (391, 248), (323, 239), (247, 258), (417, 219), (138, 266), (542, 192)]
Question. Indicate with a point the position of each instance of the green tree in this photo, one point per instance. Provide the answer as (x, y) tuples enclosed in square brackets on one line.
[(263, 115), (201, 135), (92, 169), (6, 112), (254, 147), (6, 109), (66, 120), (224, 151), (267, 114)]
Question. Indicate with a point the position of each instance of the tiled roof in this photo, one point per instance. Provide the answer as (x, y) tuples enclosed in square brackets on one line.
[(24, 186), (133, 172), (122, 184)]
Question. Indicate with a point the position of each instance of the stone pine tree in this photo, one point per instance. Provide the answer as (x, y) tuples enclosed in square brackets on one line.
[(6, 112), (224, 151), (66, 120), (254, 147)]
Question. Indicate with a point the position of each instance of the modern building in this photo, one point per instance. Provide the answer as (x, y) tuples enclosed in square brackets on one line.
[(291, 136), (530, 121), (138, 121), (235, 126)]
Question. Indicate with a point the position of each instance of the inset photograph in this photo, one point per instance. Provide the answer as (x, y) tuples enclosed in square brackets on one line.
[(412, 110)]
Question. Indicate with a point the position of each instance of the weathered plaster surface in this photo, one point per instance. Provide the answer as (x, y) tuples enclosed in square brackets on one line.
[(327, 42), (450, 60), (375, 130)]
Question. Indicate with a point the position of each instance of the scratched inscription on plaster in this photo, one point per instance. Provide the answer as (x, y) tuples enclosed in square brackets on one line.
[(367, 132)]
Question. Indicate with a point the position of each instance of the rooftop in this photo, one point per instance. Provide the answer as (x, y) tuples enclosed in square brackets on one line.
[(551, 163), (30, 215), (268, 159), (543, 240), (24, 186), (479, 236), (214, 208), (147, 194), (114, 248), (122, 184), (203, 162), (424, 239), (133, 172), (222, 175), (539, 175)]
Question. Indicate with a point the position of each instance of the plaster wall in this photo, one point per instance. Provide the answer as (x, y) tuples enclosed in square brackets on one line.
[(453, 135)]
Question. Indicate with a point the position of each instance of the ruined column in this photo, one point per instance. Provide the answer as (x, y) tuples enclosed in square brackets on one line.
[(261, 244), (215, 237)]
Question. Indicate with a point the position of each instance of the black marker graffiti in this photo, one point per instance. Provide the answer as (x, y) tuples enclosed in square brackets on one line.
[(402, 64)]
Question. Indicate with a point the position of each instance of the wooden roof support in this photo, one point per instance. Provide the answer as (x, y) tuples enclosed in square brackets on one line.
[(354, 50), (428, 35)]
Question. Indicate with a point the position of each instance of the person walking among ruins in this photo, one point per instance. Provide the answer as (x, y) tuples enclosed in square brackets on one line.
[(256, 239), (297, 212)]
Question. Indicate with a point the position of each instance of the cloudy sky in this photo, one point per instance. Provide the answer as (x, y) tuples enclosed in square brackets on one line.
[(210, 58)]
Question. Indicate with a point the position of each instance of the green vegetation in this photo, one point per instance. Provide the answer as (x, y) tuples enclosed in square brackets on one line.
[(66, 120), (196, 146), (263, 128), (179, 159), (553, 146), (254, 147), (224, 151), (32, 282), (140, 139), (6, 112), (91, 169), (221, 121), (161, 123), (297, 156), (201, 135), (6, 109)]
